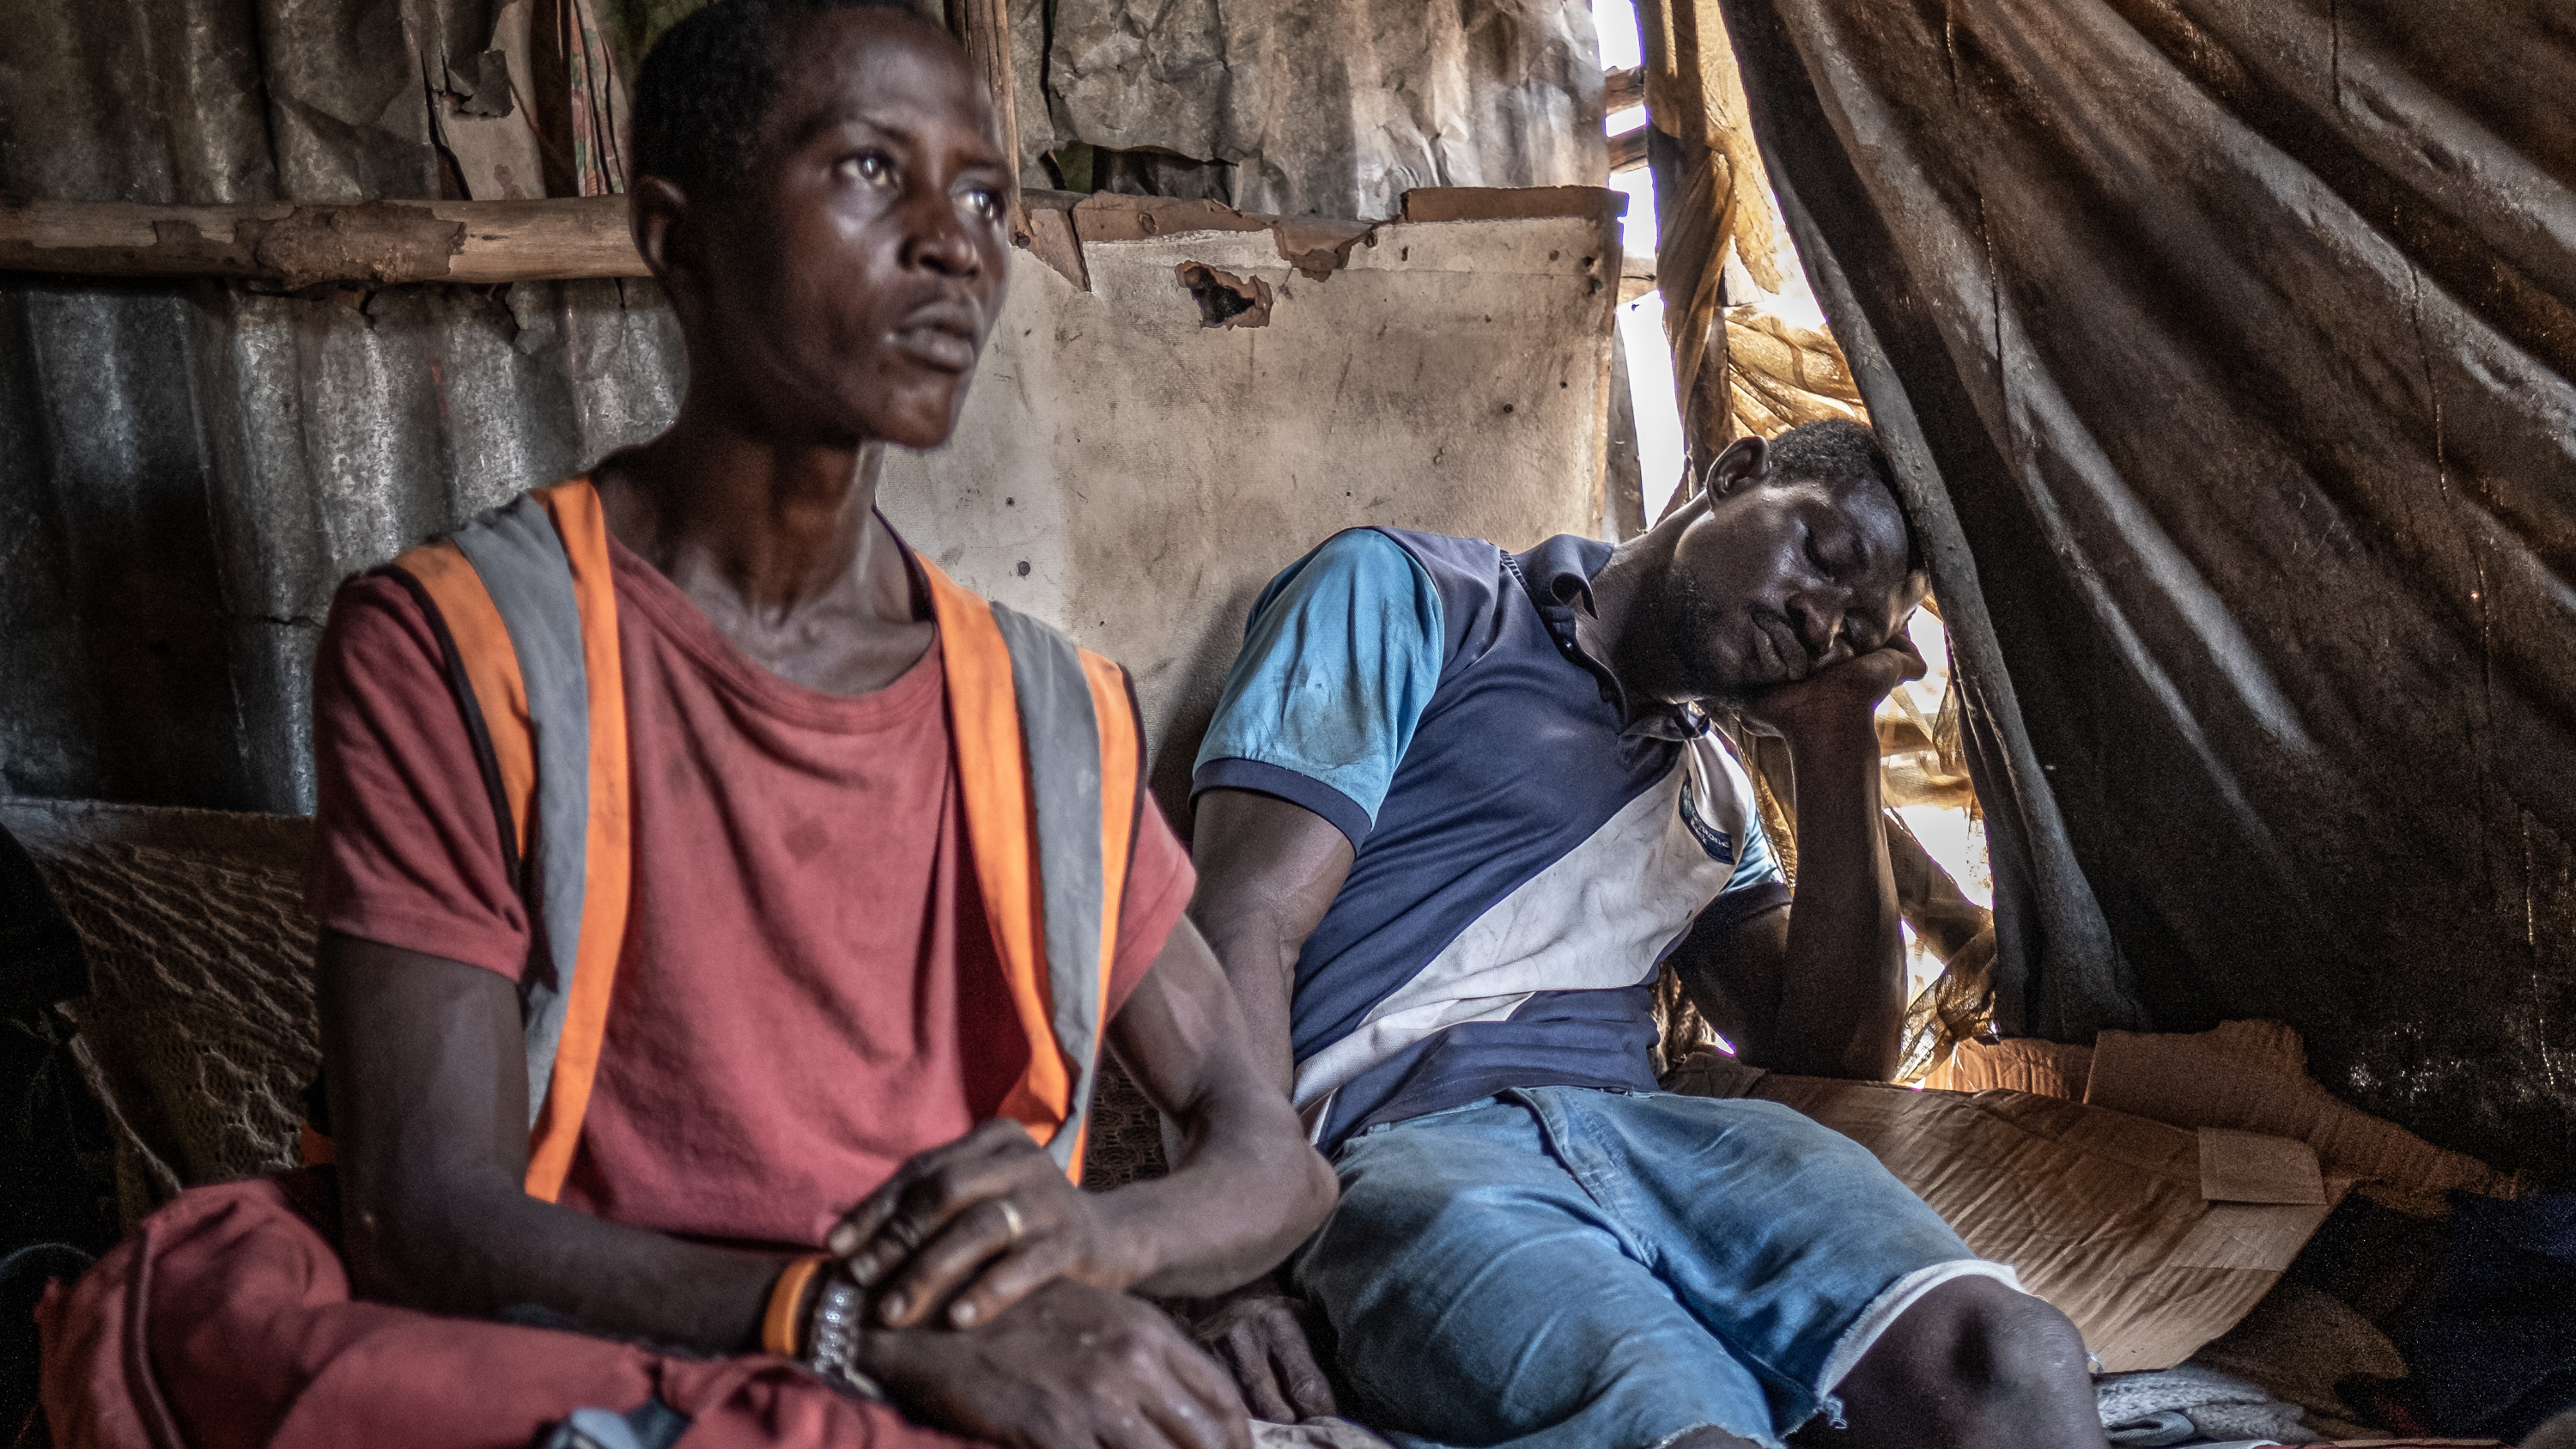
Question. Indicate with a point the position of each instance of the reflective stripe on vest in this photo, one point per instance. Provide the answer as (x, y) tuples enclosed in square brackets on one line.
[(1046, 736)]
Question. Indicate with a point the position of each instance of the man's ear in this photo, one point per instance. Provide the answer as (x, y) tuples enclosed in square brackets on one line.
[(1740, 462), (656, 216)]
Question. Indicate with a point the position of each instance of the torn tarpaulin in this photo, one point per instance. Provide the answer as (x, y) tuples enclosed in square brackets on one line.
[(2225, 364)]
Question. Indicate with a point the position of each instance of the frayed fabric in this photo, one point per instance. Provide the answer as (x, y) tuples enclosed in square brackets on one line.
[(1763, 1440)]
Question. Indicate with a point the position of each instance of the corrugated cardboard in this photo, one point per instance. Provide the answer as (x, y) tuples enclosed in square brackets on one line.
[(2101, 1213), (2251, 1076), (2020, 1064), (2251, 1167)]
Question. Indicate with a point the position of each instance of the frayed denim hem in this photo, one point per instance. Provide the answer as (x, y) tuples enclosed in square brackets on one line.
[(1766, 1441)]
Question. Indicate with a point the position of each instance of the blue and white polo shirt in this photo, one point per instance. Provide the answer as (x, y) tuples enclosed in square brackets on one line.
[(1524, 860)]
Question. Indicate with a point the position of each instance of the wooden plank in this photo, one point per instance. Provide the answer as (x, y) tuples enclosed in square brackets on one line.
[(1496, 203), (1622, 90), (1628, 150), (300, 245)]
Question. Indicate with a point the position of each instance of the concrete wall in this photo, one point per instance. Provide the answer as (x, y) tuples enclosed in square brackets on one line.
[(1135, 477)]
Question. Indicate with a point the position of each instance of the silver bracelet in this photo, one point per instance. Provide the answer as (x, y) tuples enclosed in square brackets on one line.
[(832, 1338)]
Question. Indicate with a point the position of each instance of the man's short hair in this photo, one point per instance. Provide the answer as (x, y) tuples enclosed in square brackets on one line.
[(1839, 451), (708, 83)]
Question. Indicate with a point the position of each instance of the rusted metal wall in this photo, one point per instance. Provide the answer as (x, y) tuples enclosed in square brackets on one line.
[(1324, 107), (187, 472)]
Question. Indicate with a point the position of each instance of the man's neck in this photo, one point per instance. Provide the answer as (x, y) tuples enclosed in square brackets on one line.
[(1622, 631), (778, 545), (770, 527)]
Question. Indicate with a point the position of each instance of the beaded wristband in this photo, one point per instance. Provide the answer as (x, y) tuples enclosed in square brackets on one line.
[(832, 1338)]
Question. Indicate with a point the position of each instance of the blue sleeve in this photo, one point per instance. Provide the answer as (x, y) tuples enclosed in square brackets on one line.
[(1756, 884), (1756, 865), (1338, 664)]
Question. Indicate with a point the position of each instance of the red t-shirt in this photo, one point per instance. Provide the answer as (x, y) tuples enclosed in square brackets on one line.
[(809, 993)]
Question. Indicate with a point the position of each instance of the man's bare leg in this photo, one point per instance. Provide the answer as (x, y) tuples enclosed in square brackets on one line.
[(1973, 1364)]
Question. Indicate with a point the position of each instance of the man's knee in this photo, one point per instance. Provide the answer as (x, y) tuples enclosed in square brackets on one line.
[(1975, 1341), (1978, 1335), (1972, 1363)]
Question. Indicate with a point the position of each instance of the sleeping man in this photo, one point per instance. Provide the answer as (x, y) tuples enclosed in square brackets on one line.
[(724, 913), (1455, 807)]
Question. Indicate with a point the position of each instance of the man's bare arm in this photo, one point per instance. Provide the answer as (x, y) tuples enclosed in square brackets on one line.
[(428, 1083), (1268, 871), (428, 1091), (1819, 990), (1245, 1188), (964, 1231)]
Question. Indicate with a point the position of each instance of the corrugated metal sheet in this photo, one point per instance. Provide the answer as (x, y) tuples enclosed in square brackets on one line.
[(187, 473), (188, 470)]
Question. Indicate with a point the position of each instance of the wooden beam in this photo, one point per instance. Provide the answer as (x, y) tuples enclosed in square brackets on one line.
[(1622, 90), (1628, 150), (1636, 275), (301, 245)]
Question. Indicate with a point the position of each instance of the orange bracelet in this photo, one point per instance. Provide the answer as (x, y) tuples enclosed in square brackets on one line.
[(781, 1326)]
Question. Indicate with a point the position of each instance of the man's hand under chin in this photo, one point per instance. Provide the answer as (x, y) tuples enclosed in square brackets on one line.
[(1836, 694), (1828, 987)]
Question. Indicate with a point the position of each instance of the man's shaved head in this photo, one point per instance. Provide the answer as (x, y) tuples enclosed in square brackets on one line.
[(710, 81)]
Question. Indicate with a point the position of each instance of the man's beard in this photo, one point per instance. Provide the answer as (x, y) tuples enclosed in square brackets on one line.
[(1684, 642)]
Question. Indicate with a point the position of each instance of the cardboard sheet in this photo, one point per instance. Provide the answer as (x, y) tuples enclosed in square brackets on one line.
[(2250, 1076), (2104, 1214), (2251, 1167), (2019, 1064)]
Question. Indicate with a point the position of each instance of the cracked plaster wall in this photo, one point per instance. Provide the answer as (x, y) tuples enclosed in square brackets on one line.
[(1151, 473)]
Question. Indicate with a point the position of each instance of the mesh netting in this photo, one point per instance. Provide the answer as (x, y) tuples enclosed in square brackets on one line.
[(199, 1031), (1126, 1141)]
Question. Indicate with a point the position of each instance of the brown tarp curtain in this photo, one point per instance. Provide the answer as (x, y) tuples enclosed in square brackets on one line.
[(2223, 348)]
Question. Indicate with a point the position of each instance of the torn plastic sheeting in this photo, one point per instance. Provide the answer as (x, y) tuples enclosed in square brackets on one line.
[(1335, 107), (2227, 375)]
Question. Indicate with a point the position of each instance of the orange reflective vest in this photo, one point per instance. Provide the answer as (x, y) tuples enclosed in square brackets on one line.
[(1050, 761)]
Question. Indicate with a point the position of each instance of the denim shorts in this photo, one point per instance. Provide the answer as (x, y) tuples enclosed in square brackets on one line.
[(1571, 1268)]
